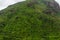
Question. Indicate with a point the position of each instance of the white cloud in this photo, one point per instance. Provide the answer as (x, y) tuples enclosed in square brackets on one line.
[(6, 3)]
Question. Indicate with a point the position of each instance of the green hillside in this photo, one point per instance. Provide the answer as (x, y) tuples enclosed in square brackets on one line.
[(31, 20)]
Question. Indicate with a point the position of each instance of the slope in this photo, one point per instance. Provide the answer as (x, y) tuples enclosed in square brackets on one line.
[(30, 20)]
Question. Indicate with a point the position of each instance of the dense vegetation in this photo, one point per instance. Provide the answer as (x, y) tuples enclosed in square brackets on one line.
[(30, 20)]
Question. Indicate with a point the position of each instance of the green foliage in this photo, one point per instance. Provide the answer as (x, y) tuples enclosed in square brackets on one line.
[(22, 22)]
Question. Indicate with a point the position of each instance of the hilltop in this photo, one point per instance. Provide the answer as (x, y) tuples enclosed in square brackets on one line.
[(31, 20)]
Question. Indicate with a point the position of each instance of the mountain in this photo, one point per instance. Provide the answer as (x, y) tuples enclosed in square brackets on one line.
[(31, 20)]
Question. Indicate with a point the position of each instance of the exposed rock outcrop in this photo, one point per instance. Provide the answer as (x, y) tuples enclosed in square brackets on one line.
[(53, 7)]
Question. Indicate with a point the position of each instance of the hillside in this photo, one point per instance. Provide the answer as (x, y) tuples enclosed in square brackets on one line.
[(31, 20)]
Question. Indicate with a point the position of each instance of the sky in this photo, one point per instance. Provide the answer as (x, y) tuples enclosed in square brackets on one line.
[(58, 1), (5, 3)]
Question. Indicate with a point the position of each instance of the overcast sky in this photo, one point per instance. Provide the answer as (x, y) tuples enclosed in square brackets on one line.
[(6, 3), (58, 1)]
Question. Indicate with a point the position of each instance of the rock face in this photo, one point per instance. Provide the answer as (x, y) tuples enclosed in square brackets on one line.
[(53, 4), (53, 7)]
